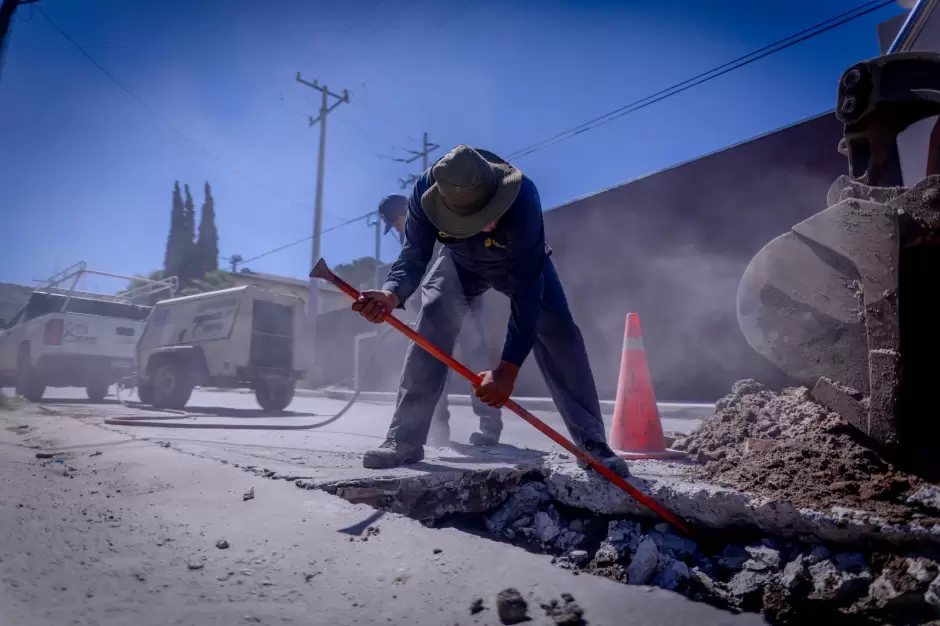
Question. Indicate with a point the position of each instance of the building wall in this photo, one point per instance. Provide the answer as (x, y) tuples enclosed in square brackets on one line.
[(672, 247)]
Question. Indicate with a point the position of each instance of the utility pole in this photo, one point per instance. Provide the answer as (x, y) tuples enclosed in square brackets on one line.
[(427, 148), (7, 9), (312, 297), (378, 224)]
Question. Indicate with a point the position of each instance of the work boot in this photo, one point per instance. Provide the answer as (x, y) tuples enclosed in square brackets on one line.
[(607, 457), (439, 434), (392, 454), (483, 439)]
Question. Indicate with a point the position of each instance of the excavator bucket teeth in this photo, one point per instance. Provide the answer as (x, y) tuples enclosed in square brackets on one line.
[(820, 302)]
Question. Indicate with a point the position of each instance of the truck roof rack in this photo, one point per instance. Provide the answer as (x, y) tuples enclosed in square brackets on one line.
[(66, 283)]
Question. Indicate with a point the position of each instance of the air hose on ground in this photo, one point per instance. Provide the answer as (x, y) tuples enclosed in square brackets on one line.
[(171, 421)]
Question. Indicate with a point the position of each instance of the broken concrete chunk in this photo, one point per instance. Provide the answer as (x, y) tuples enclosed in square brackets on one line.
[(748, 586), (926, 495), (222, 544), (795, 574), (932, 597), (840, 579), (248, 495), (674, 545), (903, 584), (762, 558), (818, 553), (579, 557), (672, 575), (621, 533), (524, 501), (546, 525), (644, 563), (511, 606), (733, 558), (568, 541)]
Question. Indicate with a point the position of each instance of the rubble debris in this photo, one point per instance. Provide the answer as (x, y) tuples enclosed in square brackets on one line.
[(567, 613), (476, 606), (44, 455), (194, 565), (511, 607), (807, 456), (248, 495), (222, 544)]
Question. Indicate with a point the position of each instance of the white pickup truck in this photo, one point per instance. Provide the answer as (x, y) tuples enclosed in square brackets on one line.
[(69, 338)]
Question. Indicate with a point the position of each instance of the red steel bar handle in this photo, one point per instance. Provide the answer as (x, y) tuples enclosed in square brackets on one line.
[(322, 270)]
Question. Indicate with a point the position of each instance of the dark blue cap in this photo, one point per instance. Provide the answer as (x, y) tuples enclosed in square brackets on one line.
[(391, 208)]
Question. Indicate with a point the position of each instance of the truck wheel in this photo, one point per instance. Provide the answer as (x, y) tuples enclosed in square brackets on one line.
[(145, 393), (29, 382), (172, 386), (97, 392), (274, 395)]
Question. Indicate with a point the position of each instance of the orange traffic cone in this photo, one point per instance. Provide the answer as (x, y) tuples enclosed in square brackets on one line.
[(637, 432)]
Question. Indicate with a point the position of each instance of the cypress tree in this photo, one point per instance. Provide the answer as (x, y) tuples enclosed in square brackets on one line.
[(207, 246), (189, 258), (172, 259)]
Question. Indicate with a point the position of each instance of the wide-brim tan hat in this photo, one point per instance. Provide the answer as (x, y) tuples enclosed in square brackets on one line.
[(472, 188)]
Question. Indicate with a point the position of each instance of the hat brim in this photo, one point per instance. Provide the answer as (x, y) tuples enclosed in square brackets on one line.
[(464, 226)]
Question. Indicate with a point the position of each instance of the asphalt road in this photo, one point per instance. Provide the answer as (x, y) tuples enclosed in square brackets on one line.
[(369, 418), (120, 526)]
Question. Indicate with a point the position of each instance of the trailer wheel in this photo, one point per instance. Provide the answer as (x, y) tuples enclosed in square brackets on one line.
[(145, 393), (172, 385), (274, 395), (29, 381), (97, 392)]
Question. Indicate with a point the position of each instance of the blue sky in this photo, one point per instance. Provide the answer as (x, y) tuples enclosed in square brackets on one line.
[(87, 172)]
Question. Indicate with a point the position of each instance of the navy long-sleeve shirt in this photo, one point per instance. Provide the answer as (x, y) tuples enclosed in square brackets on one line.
[(509, 259)]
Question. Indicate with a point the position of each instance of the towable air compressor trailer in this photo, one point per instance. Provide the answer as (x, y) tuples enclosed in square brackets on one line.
[(241, 337)]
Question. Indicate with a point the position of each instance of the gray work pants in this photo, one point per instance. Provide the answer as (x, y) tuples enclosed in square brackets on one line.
[(473, 355), (559, 351)]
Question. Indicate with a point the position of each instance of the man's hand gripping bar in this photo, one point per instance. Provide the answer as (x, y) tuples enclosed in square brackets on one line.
[(323, 271)]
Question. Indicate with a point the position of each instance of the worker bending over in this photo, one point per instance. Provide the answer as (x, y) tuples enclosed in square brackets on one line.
[(488, 218), (393, 210)]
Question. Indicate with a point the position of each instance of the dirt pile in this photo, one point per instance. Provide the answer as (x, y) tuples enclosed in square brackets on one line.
[(787, 447)]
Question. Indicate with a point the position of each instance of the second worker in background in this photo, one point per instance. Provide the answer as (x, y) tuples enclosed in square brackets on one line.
[(488, 218), (394, 210)]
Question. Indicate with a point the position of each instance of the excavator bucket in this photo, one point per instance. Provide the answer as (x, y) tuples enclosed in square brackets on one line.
[(840, 302)]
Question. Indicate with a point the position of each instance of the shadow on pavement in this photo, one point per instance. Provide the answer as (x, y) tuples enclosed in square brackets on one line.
[(360, 527)]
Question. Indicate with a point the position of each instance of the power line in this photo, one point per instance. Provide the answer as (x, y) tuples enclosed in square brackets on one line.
[(704, 77), (163, 119), (307, 238)]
